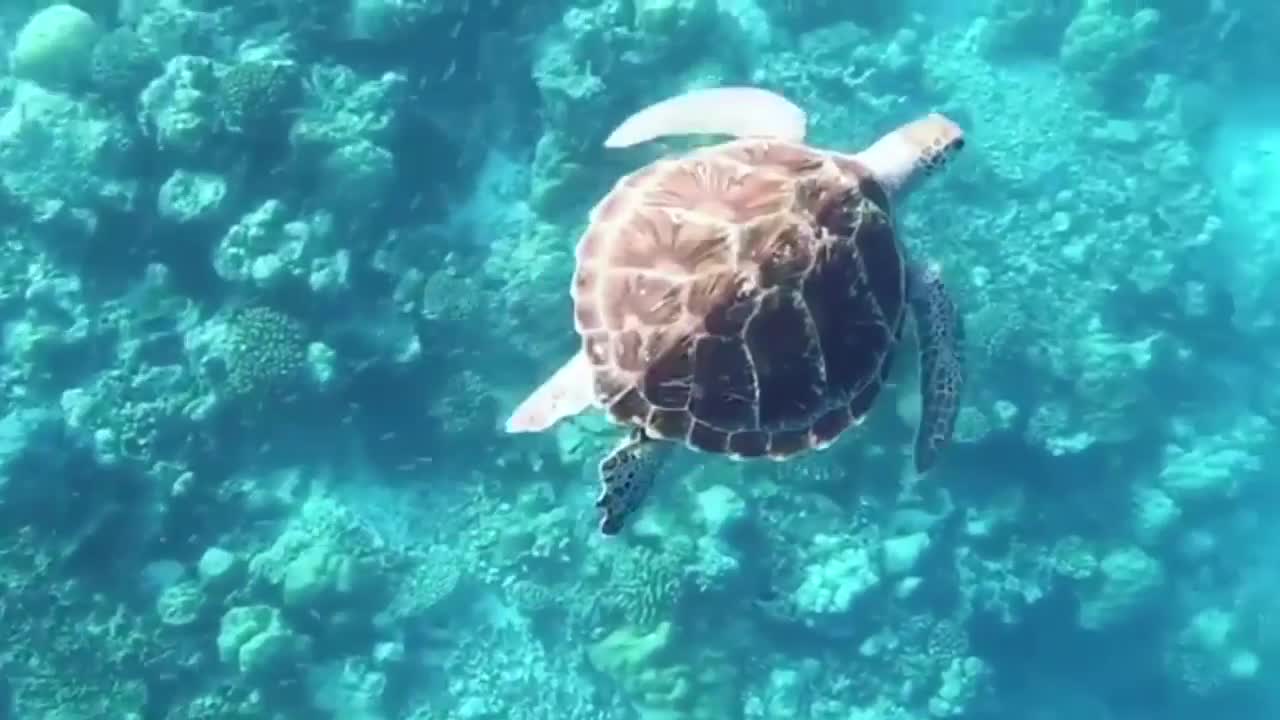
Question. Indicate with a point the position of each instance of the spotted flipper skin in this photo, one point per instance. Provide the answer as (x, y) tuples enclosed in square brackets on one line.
[(626, 475), (940, 330)]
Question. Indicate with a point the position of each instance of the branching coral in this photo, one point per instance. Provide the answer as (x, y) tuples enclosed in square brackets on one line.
[(83, 653), (644, 585), (256, 95), (342, 107), (179, 109), (947, 640), (268, 352)]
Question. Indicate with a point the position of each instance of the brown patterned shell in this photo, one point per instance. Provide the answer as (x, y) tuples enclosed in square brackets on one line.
[(743, 298)]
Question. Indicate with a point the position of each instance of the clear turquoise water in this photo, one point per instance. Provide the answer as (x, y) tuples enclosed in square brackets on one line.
[(274, 274)]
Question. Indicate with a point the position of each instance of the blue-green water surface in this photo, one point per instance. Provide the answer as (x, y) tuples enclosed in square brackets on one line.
[(274, 273)]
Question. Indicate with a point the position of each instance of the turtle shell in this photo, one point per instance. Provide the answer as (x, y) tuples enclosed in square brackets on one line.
[(743, 298)]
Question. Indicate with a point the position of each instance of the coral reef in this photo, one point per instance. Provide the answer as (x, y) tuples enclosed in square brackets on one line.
[(271, 273)]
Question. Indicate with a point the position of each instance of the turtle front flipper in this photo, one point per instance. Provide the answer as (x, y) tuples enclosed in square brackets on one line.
[(626, 475), (940, 331), (738, 111)]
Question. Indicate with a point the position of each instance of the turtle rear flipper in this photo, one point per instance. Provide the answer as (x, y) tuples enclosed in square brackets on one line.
[(940, 331), (568, 392), (626, 475)]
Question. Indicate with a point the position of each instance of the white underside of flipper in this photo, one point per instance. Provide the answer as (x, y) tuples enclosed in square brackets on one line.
[(891, 159), (735, 111), (567, 392)]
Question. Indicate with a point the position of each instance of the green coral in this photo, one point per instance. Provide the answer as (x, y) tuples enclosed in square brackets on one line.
[(267, 354), (658, 679), (322, 576), (257, 640), (257, 95)]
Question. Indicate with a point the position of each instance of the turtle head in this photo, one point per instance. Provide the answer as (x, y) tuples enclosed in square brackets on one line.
[(913, 151)]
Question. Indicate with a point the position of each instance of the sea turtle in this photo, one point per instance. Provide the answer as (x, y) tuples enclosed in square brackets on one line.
[(746, 298)]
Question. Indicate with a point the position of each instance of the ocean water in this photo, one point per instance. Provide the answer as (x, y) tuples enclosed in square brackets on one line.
[(274, 274)]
